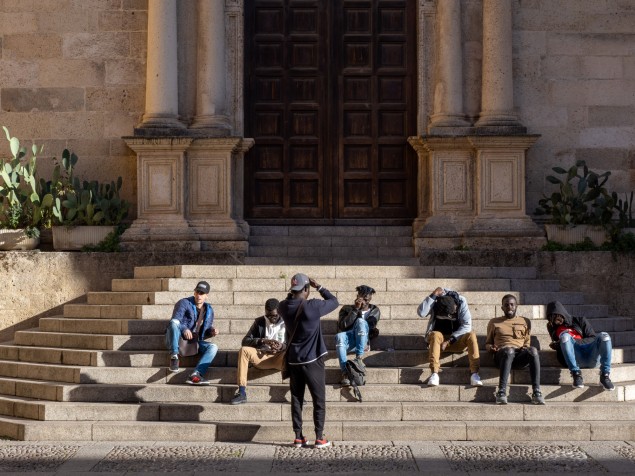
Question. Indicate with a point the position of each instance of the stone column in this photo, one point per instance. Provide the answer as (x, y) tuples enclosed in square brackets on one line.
[(497, 97), (448, 90), (162, 89), (211, 94)]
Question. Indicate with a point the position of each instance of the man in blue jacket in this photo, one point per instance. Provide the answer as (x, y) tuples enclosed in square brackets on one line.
[(192, 318), (306, 351)]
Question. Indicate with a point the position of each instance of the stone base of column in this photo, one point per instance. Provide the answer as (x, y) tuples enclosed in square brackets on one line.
[(228, 235), (211, 126), (160, 121), (160, 236), (519, 233), (439, 232)]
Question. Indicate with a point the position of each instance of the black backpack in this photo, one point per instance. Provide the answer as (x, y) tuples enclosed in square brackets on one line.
[(357, 375)]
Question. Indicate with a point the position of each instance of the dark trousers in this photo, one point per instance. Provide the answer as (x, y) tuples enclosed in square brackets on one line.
[(509, 358), (312, 376)]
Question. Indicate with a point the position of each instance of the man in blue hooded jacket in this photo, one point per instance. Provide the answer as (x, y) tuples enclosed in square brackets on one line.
[(192, 318)]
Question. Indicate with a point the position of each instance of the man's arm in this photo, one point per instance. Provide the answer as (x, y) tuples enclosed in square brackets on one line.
[(588, 334), (489, 340), (178, 313), (329, 304), (347, 317), (465, 319), (373, 317), (253, 336), (527, 342)]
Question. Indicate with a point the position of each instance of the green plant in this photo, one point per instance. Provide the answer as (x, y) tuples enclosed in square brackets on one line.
[(581, 198), (111, 243), (83, 203), (624, 210), (21, 198)]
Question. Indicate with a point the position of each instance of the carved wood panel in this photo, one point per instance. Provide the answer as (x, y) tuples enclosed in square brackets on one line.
[(330, 102)]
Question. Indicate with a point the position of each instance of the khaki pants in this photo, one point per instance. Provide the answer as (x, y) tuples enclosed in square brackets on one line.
[(260, 360), (466, 341)]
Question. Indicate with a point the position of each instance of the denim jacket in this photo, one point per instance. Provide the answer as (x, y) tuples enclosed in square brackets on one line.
[(186, 313)]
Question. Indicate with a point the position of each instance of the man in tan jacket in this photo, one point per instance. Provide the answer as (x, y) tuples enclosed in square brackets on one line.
[(508, 339)]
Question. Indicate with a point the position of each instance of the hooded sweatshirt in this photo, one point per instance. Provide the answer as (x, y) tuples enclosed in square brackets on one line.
[(579, 324), (307, 344)]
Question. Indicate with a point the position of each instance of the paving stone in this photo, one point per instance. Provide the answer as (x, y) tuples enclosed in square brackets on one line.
[(525, 458), (34, 458), (344, 458), (162, 459)]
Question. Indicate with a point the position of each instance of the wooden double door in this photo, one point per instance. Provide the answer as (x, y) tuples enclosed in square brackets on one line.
[(330, 99)]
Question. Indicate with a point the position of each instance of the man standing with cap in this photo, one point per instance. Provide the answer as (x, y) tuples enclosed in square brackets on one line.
[(192, 318), (306, 351)]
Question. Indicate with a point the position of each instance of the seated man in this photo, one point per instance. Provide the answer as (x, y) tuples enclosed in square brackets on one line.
[(263, 347), (449, 330), (356, 325), (192, 318), (508, 338), (578, 346)]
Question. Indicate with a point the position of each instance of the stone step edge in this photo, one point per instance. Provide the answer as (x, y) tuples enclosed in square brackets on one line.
[(274, 432)]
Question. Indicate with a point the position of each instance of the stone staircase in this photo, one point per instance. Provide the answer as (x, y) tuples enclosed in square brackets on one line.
[(392, 245), (99, 372)]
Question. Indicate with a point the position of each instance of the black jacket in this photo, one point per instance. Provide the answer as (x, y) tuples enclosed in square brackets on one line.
[(307, 345), (257, 332), (580, 324), (348, 315)]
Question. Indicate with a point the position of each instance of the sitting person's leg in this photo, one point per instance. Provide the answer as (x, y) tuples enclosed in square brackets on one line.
[(528, 356), (207, 352), (344, 342), (360, 333), (435, 339), (568, 348), (469, 342), (598, 352), (504, 358), (172, 336)]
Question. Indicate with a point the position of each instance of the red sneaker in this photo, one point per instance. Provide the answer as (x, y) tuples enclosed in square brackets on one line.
[(323, 443), (300, 442)]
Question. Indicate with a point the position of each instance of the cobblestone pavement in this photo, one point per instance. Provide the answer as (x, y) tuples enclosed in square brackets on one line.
[(443, 457)]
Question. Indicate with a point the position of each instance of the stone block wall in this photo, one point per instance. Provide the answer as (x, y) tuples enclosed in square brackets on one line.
[(38, 284), (574, 73), (72, 75)]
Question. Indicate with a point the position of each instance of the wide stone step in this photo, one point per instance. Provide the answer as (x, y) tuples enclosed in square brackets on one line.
[(226, 358), (332, 272), (251, 311), (336, 411), (518, 393), (227, 375), (380, 284), (267, 432), (380, 299), (387, 327), (28, 430), (89, 341)]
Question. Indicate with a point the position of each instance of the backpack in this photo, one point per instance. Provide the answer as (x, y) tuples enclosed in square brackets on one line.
[(357, 375)]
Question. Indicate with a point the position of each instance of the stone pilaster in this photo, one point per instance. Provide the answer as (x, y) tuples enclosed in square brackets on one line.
[(446, 191), (501, 220), (216, 193), (162, 90), (497, 97), (211, 93), (472, 193), (161, 202), (448, 90)]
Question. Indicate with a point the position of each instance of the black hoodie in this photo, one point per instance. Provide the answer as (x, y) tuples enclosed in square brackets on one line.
[(580, 324)]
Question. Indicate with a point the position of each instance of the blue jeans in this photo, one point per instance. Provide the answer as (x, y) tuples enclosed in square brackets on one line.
[(354, 339), (587, 355), (206, 350)]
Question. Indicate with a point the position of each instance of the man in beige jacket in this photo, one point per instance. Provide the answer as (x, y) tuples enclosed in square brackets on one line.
[(508, 338)]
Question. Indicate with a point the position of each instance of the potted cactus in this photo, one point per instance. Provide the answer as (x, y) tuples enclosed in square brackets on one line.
[(581, 208), (83, 213), (22, 203)]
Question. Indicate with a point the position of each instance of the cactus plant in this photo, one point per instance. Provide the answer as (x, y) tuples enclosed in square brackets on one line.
[(21, 199)]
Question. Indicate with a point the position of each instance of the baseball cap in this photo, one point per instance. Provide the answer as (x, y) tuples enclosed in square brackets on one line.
[(299, 281), (202, 287)]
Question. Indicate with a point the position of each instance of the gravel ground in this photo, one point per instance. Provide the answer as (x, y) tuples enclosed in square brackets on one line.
[(34, 458)]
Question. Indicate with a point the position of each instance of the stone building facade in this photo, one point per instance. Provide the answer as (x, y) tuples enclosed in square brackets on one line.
[(443, 114)]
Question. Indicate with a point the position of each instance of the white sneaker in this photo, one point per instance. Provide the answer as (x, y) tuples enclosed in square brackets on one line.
[(475, 380), (433, 381)]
